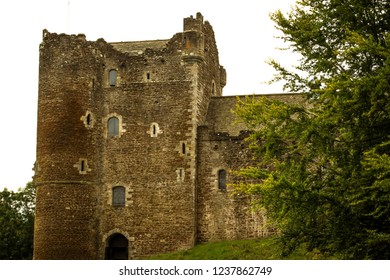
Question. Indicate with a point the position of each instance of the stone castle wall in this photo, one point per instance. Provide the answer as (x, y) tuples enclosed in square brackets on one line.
[(131, 137), (158, 91)]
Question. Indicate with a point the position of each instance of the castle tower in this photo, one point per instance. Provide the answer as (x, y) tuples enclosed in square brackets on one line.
[(116, 154), (67, 165)]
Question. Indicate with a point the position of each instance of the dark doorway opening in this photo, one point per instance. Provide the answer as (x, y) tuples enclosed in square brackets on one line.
[(117, 247)]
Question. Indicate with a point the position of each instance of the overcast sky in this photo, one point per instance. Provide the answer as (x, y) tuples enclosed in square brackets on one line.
[(243, 30)]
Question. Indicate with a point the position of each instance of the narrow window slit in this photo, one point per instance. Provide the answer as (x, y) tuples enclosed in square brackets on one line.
[(183, 148), (154, 130), (180, 173), (222, 180), (88, 119)]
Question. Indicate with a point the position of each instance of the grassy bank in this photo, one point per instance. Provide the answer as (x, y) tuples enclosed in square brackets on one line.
[(260, 249)]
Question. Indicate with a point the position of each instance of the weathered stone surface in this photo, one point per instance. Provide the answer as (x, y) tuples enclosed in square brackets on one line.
[(174, 133)]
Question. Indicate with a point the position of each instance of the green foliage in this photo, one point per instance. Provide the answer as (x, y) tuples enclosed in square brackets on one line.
[(323, 169), (17, 223), (261, 249)]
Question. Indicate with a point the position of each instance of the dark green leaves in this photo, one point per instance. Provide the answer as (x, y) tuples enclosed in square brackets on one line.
[(323, 167), (17, 223)]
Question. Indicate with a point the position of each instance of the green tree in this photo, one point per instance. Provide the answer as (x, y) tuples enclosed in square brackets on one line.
[(324, 168), (17, 223)]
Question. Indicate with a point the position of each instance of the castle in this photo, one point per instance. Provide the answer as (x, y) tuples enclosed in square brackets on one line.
[(135, 147)]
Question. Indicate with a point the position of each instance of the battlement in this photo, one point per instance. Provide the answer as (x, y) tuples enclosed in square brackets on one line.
[(46, 35), (193, 24), (195, 43)]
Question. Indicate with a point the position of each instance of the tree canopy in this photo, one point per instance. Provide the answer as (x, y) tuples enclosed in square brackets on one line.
[(324, 168), (17, 223)]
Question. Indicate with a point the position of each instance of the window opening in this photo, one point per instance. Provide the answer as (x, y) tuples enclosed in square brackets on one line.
[(222, 180), (82, 166), (112, 78), (183, 148), (180, 174), (148, 76), (88, 119), (118, 196), (154, 130), (113, 126)]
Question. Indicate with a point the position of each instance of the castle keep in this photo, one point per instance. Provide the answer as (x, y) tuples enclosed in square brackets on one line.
[(135, 145)]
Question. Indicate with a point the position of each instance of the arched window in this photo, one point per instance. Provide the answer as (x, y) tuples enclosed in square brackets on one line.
[(118, 196), (113, 126), (112, 77), (222, 180)]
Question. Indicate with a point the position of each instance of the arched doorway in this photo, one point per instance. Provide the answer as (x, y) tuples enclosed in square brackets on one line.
[(117, 247)]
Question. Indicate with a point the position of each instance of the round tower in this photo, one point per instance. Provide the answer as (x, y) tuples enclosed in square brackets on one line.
[(66, 166)]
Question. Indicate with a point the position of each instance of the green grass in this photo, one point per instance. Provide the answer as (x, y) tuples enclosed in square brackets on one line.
[(259, 249)]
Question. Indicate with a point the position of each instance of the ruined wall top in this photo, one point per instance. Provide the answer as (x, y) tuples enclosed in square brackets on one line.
[(189, 24), (192, 23)]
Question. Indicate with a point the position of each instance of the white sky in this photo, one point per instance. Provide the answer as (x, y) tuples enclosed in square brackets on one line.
[(243, 30)]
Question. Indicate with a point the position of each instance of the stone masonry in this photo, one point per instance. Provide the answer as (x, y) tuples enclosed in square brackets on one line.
[(135, 147)]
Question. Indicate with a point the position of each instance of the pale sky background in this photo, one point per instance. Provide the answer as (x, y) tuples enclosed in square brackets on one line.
[(244, 35)]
